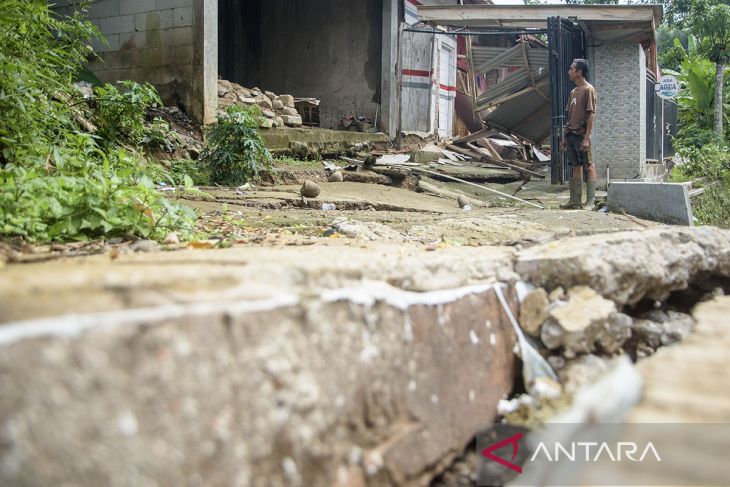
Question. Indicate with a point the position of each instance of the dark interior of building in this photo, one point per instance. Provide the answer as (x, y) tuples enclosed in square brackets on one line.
[(325, 49)]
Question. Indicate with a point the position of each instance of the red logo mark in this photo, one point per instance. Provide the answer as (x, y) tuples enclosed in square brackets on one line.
[(487, 452)]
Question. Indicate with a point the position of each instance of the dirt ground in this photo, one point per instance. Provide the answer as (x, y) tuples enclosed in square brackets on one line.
[(276, 212), (368, 206)]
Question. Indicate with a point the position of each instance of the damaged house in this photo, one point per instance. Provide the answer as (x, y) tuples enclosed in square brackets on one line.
[(443, 67), (343, 53), (522, 87)]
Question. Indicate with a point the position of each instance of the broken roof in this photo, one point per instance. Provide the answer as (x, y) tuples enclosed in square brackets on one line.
[(603, 22)]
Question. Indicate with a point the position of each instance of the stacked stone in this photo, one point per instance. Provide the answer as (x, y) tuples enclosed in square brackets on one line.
[(277, 111)]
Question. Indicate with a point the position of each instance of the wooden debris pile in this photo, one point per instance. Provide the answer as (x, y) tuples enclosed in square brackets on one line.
[(488, 148), (485, 149)]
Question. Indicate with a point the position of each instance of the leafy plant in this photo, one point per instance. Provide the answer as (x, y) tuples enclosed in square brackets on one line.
[(158, 134), (177, 171), (710, 19), (708, 163), (59, 182), (697, 78), (86, 193), (671, 45), (234, 150), (120, 110), (39, 55)]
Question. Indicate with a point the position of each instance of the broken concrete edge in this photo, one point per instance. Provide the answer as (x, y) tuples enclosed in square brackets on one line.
[(627, 267), (655, 391), (312, 142), (368, 294), (413, 342)]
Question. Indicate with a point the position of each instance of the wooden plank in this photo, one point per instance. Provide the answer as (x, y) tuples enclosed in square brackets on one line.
[(449, 162), (510, 165), (471, 15), (466, 152), (475, 136), (480, 186), (490, 148), (449, 154)]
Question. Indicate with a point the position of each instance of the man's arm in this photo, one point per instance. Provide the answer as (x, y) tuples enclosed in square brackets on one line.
[(589, 130), (563, 142)]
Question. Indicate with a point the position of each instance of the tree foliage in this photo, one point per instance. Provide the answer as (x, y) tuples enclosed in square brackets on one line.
[(711, 24)]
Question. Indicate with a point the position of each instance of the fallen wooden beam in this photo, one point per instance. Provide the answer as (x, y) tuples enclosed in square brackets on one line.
[(466, 152), (478, 186), (510, 165), (475, 136), (352, 161), (490, 148)]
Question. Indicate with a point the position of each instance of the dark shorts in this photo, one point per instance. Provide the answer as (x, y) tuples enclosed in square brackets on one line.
[(574, 154)]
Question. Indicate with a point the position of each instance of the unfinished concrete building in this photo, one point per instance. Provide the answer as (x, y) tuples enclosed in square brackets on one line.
[(364, 58), (341, 52)]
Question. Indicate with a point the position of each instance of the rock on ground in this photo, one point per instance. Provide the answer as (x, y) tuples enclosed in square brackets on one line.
[(583, 322), (534, 310)]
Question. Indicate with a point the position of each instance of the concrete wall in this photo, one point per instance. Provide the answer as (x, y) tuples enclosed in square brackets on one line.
[(328, 49), (620, 130), (158, 41)]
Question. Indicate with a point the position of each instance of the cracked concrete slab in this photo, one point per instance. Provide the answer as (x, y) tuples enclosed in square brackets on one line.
[(259, 366), (348, 362), (629, 266)]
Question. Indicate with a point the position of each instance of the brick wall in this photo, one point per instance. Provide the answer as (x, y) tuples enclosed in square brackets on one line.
[(147, 40), (620, 130)]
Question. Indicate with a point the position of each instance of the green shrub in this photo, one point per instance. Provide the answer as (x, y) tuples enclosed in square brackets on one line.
[(713, 206), (58, 182), (710, 162), (39, 56), (709, 165), (691, 136), (158, 134), (120, 111), (86, 193), (234, 150), (176, 172)]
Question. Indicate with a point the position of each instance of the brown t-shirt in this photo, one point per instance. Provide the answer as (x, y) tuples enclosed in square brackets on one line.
[(582, 101)]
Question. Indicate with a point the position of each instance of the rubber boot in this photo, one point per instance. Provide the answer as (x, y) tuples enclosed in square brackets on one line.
[(576, 195), (591, 195)]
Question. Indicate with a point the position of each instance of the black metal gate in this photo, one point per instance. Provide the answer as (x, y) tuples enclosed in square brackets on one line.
[(566, 42), (654, 121)]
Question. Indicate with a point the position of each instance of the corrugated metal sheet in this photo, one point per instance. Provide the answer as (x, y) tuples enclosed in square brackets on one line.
[(520, 102), (527, 115), (516, 82)]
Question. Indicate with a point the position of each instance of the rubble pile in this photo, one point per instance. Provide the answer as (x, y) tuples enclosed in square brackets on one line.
[(277, 110), (582, 335)]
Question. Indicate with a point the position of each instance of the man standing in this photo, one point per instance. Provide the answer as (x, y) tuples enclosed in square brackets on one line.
[(577, 135)]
